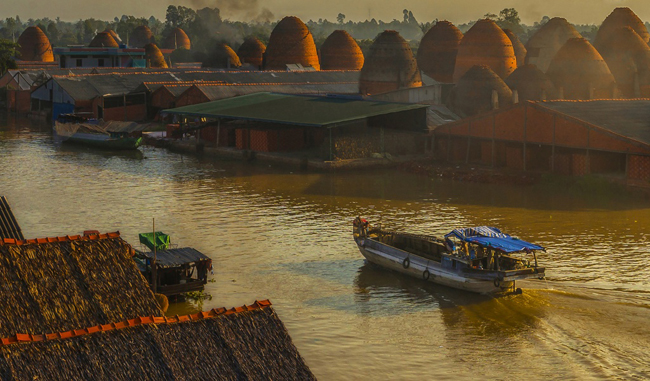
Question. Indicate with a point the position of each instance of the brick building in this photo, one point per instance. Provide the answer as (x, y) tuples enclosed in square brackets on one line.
[(566, 137)]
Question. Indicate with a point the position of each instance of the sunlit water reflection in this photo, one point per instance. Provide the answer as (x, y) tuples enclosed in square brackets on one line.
[(286, 235)]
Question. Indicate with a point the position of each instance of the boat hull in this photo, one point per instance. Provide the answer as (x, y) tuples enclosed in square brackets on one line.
[(427, 270), (104, 141)]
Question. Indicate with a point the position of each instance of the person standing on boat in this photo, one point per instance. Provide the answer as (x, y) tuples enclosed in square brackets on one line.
[(490, 259)]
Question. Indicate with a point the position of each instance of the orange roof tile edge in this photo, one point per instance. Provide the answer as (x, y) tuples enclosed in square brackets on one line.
[(28, 338), (38, 241)]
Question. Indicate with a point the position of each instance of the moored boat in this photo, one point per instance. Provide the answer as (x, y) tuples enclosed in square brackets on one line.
[(72, 128), (480, 259), (171, 271)]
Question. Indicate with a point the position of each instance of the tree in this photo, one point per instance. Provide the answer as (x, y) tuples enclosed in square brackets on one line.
[(340, 18), (491, 16), (406, 15), (52, 33), (8, 50), (11, 24), (510, 15)]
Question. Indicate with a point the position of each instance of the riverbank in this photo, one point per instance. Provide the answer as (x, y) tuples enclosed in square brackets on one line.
[(298, 160)]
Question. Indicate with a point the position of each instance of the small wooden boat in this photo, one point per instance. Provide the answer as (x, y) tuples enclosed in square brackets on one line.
[(71, 128), (171, 271), (480, 259)]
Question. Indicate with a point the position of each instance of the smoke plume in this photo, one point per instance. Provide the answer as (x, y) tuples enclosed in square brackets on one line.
[(245, 10)]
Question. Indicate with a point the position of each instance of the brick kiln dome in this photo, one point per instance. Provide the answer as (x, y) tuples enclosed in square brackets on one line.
[(520, 49), (485, 44), (291, 42), (340, 52), (473, 92), (627, 57), (115, 36), (621, 17), (35, 46), (103, 40), (177, 39), (141, 36), (437, 52), (154, 56), (581, 72), (222, 57), (390, 65), (531, 84), (548, 39), (252, 52)]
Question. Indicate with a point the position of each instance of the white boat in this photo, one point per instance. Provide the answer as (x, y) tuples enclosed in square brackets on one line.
[(480, 259)]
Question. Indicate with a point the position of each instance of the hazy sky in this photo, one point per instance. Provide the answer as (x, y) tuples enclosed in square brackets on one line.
[(457, 11)]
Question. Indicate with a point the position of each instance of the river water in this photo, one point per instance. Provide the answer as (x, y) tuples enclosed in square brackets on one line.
[(285, 235)]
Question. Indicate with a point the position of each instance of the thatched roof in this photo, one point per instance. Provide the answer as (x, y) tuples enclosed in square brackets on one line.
[(252, 52), (248, 342), (437, 51), (9, 227), (35, 46), (340, 52), (389, 66), (485, 44), (291, 42), (62, 283)]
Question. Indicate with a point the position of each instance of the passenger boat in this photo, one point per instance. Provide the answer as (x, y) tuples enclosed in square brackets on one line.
[(481, 259), (75, 128)]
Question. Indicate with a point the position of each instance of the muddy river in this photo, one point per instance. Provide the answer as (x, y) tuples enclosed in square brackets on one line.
[(285, 235)]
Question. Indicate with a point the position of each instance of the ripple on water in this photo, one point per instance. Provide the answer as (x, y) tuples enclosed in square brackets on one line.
[(287, 236)]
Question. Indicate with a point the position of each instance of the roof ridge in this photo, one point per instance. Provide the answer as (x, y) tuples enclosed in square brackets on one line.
[(591, 100), (24, 338), (38, 241)]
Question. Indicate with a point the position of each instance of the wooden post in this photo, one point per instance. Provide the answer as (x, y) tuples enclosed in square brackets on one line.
[(553, 146), (494, 133), (124, 98), (331, 146), (469, 141), (382, 142), (154, 265), (587, 164), (525, 125), (218, 130)]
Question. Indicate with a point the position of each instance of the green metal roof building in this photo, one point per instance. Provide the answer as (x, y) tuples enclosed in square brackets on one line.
[(301, 110), (278, 111)]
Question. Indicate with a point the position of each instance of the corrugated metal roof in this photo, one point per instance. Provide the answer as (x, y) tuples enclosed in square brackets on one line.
[(630, 118), (302, 110), (216, 92), (437, 115), (9, 227), (91, 86), (261, 77), (86, 87), (176, 257)]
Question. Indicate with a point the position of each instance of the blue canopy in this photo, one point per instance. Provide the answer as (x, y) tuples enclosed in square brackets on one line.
[(492, 237)]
